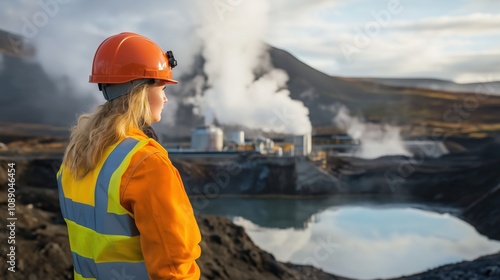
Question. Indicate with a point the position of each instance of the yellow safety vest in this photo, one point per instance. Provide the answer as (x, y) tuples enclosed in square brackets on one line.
[(103, 238)]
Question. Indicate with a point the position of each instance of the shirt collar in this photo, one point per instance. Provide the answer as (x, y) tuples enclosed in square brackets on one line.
[(135, 132)]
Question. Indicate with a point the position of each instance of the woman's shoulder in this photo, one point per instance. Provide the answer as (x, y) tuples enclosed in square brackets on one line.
[(151, 150), (151, 159)]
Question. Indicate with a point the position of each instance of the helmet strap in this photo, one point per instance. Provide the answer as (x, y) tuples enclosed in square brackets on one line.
[(113, 91)]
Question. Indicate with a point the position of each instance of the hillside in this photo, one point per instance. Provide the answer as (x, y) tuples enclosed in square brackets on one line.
[(441, 85), (407, 106)]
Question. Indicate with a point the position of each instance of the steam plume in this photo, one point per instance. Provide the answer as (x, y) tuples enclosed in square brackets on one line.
[(243, 87), (376, 140)]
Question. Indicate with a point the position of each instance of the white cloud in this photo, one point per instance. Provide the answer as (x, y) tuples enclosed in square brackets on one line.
[(479, 6), (441, 47), (476, 24)]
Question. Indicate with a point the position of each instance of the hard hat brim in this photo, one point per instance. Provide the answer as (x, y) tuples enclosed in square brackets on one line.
[(169, 81)]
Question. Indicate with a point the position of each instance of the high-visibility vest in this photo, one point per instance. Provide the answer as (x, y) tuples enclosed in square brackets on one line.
[(103, 238)]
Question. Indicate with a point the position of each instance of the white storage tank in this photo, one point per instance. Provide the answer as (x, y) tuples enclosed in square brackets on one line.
[(235, 137), (207, 138), (302, 144), (264, 145)]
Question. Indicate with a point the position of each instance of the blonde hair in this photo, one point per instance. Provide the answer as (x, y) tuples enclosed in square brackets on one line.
[(104, 127)]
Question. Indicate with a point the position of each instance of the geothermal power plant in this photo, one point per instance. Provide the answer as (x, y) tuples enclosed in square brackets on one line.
[(212, 141)]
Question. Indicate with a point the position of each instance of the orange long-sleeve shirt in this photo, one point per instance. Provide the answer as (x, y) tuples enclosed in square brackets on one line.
[(153, 191)]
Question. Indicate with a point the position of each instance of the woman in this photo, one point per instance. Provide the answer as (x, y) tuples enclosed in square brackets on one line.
[(127, 213)]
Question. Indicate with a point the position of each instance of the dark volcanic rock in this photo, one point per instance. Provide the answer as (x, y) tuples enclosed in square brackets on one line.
[(484, 268), (41, 246), (484, 213), (37, 172), (254, 175)]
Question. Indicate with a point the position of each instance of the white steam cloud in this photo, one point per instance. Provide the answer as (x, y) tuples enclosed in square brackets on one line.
[(243, 88), (376, 140), (66, 34)]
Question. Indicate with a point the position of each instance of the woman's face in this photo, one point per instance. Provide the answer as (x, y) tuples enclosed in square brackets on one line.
[(157, 98)]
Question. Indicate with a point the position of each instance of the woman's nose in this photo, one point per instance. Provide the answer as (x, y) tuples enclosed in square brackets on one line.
[(165, 99)]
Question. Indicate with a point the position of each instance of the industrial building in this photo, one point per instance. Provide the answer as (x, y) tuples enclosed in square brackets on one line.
[(213, 141)]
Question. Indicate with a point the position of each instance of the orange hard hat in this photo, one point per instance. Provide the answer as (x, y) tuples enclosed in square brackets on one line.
[(128, 56)]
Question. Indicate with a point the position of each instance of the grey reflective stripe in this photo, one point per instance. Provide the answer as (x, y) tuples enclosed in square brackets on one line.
[(79, 213), (97, 218), (109, 270), (108, 223)]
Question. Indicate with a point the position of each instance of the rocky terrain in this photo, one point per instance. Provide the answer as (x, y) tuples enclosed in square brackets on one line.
[(484, 268)]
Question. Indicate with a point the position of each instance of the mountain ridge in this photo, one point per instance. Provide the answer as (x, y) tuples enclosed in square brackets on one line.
[(374, 101)]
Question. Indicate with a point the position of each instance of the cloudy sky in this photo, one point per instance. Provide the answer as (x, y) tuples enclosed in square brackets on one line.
[(457, 40)]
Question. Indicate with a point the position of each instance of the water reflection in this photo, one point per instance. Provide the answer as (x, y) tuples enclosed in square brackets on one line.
[(297, 213), (364, 241)]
